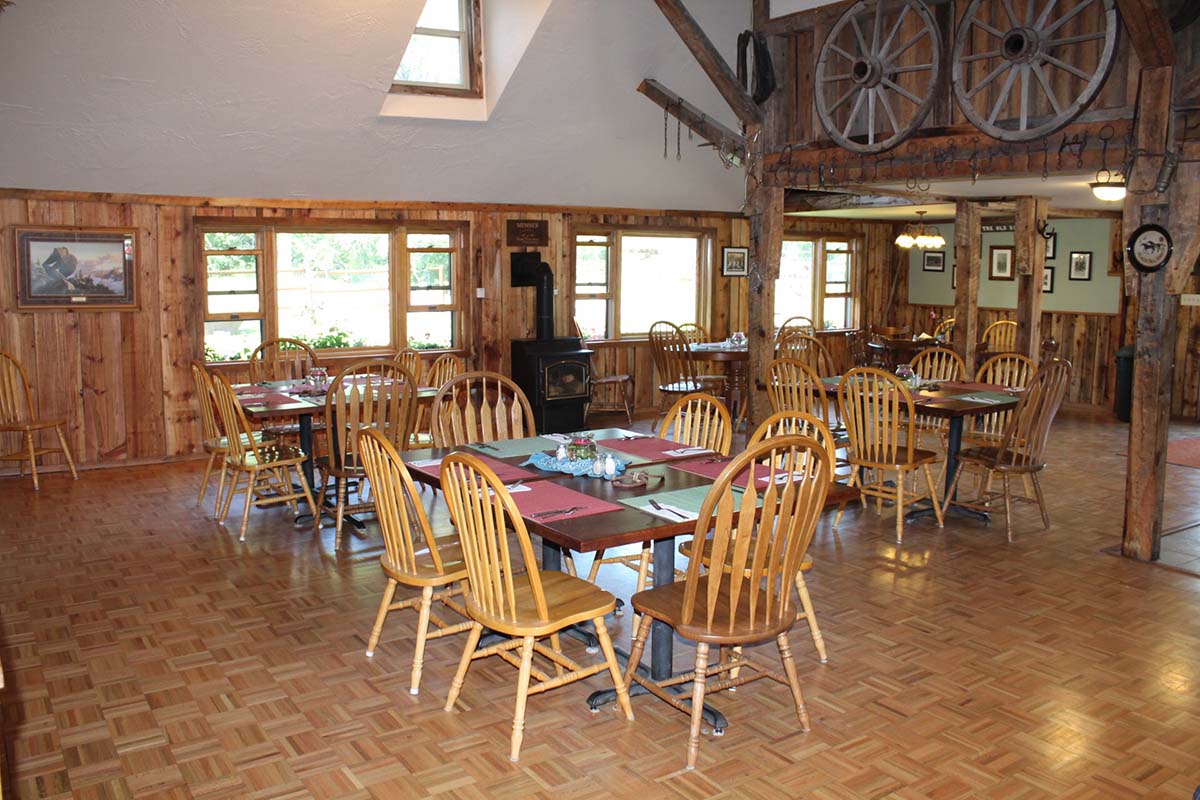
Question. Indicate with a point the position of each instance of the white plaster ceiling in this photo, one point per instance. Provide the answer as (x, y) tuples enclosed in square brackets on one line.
[(274, 98)]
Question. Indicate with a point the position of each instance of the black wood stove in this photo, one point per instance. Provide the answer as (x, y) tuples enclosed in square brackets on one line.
[(553, 372)]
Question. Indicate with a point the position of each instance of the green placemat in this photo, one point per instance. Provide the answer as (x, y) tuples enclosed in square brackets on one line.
[(992, 396), (687, 499), (511, 448)]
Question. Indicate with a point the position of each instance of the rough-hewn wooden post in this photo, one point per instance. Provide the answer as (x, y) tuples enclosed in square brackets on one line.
[(966, 269), (1030, 260)]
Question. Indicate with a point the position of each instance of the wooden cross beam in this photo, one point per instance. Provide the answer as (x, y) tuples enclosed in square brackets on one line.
[(1149, 32), (797, 200), (724, 139)]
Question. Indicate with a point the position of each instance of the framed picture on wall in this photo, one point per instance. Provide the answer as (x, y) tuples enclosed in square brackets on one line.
[(933, 261), (1052, 245), (1047, 280), (953, 279), (1080, 267), (85, 268), (735, 261), (1000, 262)]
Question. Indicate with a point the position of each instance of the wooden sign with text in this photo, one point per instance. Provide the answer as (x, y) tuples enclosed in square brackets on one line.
[(527, 233)]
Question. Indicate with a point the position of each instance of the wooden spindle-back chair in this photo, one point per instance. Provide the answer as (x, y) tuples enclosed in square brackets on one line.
[(443, 369), (807, 349), (480, 407), (508, 593), (282, 360), (1007, 369), (678, 372), (372, 393), (621, 384), (210, 428), (414, 557), (694, 332), (747, 599), (19, 422), (265, 464), (945, 329), (880, 421), (1001, 336), (937, 364), (793, 385), (796, 324), (889, 331), (1020, 449), (410, 359)]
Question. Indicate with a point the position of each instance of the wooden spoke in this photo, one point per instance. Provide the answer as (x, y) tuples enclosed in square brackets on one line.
[(991, 77), (900, 90), (887, 109), (1041, 20), (1045, 84), (1004, 94), (871, 115), (1024, 70), (843, 99), (987, 28), (1012, 17), (853, 113), (1065, 18), (835, 49), (876, 27), (1065, 66), (858, 35), (913, 68), (883, 49), (980, 56), (916, 38), (1086, 37)]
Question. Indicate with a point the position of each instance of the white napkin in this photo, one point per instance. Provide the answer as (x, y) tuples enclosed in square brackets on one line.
[(561, 438), (667, 508), (514, 489), (687, 451), (425, 462)]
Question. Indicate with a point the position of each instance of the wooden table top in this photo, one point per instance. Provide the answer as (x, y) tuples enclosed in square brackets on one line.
[(708, 351), (271, 400), (952, 399)]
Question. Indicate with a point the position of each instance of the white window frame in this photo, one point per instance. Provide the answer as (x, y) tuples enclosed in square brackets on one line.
[(469, 52)]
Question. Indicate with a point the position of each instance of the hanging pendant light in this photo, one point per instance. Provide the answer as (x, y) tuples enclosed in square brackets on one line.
[(920, 236)]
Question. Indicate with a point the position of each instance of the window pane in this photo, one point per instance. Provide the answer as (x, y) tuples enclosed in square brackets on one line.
[(585, 238), (794, 288), (592, 316), (427, 270), (431, 59), (428, 240), (428, 330), (231, 341), (837, 271), (231, 241), (430, 297), (591, 267), (837, 312), (233, 304), (333, 288), (443, 14), (658, 280), (232, 273)]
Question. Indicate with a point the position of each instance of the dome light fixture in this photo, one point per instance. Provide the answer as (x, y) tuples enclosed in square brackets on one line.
[(1107, 187), (920, 236)]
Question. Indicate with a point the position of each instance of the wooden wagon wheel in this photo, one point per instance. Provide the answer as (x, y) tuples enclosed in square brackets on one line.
[(874, 85), (1050, 54)]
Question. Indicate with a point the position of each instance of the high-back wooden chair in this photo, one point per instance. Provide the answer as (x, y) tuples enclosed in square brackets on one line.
[(281, 360), (889, 331), (796, 324), (620, 385), (510, 595), (937, 364), (793, 385), (265, 464), (372, 393), (480, 407), (1001, 336), (737, 589), (414, 558), (214, 442), (807, 349), (945, 330), (880, 421), (410, 359), (694, 332), (678, 372), (1006, 369), (1020, 449), (444, 368), (19, 422)]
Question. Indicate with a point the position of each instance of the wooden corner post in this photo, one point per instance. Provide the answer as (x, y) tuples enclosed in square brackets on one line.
[(967, 246), (1030, 258)]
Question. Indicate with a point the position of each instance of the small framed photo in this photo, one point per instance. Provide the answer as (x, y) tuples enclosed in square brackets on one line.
[(934, 261), (735, 261), (953, 279), (1080, 267), (1052, 245), (1000, 262), (82, 268), (1047, 280)]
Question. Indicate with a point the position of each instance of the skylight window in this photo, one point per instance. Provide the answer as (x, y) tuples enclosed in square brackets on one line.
[(444, 54)]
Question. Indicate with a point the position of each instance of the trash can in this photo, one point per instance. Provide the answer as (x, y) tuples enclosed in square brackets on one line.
[(1124, 383)]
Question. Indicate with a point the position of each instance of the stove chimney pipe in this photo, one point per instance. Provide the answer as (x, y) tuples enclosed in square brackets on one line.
[(528, 269)]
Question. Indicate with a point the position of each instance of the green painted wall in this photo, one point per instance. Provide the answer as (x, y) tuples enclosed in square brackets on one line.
[(1100, 295)]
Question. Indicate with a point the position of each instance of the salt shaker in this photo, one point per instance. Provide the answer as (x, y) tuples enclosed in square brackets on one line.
[(598, 466), (561, 452), (610, 466)]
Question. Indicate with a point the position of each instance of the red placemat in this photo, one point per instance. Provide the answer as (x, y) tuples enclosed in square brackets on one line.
[(976, 387), (711, 468), (547, 496), (504, 471), (267, 399), (643, 447)]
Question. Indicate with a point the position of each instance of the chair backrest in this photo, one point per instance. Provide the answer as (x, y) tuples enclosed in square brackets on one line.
[(1001, 337), (410, 359), (1007, 369), (945, 329), (282, 360), (483, 512), (808, 349), (762, 551), (792, 385), (694, 332), (402, 517), (699, 420), (939, 364), (860, 354), (234, 422), (372, 393), (443, 369), (204, 399), (795, 325), (888, 331), (1025, 437), (878, 413), (16, 401), (796, 423), (480, 407), (672, 356)]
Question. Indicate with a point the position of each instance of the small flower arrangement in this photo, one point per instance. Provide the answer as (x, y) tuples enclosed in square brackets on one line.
[(581, 446)]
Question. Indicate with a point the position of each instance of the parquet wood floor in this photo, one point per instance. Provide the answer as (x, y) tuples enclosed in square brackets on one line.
[(149, 654)]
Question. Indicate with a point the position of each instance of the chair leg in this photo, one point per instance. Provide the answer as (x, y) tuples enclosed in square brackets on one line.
[(811, 616), (463, 663), (1007, 507), (933, 498), (32, 459), (644, 569), (389, 592), (340, 514), (1041, 501), (569, 562), (308, 497), (837, 520), (518, 729), (220, 486), (66, 451), (614, 669), (233, 482), (422, 635), (208, 468), (953, 492), (789, 668), (699, 684), (640, 633), (595, 570), (250, 481), (855, 480), (899, 507)]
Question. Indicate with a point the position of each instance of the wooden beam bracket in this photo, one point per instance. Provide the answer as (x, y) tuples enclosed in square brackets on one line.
[(729, 144)]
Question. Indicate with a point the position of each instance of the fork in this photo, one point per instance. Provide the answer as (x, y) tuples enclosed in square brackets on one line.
[(659, 507), (555, 512)]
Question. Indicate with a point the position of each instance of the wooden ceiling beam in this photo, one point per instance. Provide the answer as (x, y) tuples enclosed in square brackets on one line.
[(728, 141), (797, 201), (711, 62), (1149, 32)]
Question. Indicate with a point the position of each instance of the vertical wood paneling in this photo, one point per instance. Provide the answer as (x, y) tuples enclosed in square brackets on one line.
[(142, 375), (182, 340)]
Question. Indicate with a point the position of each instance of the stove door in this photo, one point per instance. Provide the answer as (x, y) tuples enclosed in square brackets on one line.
[(565, 380)]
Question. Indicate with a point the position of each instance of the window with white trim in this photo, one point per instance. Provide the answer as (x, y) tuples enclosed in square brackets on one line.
[(816, 280), (443, 55)]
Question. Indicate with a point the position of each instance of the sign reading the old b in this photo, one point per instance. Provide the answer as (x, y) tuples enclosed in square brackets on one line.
[(528, 233)]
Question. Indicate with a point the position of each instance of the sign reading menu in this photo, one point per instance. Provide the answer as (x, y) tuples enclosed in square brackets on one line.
[(527, 233)]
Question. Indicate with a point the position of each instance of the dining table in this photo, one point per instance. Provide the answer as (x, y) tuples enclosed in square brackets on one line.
[(891, 350), (595, 514), (737, 361)]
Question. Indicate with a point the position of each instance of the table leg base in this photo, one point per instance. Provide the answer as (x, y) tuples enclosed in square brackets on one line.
[(713, 718), (925, 509)]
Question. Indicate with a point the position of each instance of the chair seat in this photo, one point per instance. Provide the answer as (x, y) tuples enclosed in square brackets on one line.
[(426, 574), (32, 425), (919, 457), (274, 455), (568, 600), (986, 456), (665, 604), (222, 444), (291, 428)]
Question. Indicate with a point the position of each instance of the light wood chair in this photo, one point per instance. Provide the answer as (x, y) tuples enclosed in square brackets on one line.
[(937, 364), (480, 407), (945, 329), (281, 360), (694, 332), (678, 372), (748, 599), (371, 393), (1007, 369), (414, 557), (807, 349), (880, 421), (265, 464), (214, 442), (793, 385), (619, 385), (796, 324), (514, 597), (801, 423), (1019, 450), (695, 420), (443, 369), (410, 359), (1000, 337), (889, 331), (19, 422)]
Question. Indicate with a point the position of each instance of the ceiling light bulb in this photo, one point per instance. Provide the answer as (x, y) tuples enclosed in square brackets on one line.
[(937, 241), (1108, 191), (905, 240)]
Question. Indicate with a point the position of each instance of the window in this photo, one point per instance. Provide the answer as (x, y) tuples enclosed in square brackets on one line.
[(627, 281), (816, 280), (443, 56), (233, 312), (431, 297)]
